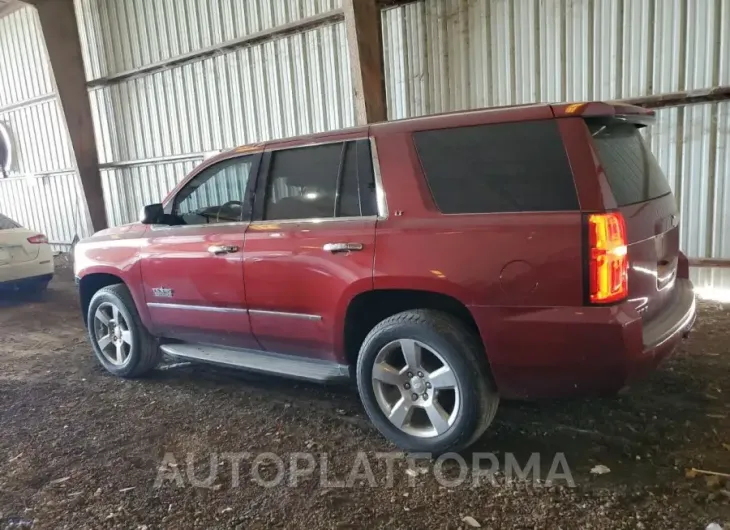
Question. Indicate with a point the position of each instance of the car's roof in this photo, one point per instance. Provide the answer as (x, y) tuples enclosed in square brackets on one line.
[(509, 113)]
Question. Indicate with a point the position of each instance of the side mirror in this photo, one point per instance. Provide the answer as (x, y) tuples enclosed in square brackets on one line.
[(152, 214)]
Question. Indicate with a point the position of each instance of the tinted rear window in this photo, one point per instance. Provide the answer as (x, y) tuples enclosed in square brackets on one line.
[(506, 167), (6, 223), (631, 169)]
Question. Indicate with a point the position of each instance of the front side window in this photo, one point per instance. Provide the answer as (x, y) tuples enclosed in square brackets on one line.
[(324, 181), (216, 195)]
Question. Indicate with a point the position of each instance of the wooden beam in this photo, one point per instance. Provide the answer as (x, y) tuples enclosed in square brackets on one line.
[(690, 97), (723, 263), (60, 31), (364, 41)]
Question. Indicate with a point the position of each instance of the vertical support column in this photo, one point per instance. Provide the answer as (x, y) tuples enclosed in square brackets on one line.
[(60, 31), (364, 40)]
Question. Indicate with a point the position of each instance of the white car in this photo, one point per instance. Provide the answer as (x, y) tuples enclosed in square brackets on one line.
[(26, 258)]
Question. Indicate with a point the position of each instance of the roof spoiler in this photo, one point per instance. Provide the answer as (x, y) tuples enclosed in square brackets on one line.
[(610, 110), (639, 120)]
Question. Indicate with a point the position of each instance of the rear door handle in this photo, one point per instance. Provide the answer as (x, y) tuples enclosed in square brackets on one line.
[(222, 249), (334, 248)]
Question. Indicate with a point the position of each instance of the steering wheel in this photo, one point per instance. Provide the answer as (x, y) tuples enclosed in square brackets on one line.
[(224, 205)]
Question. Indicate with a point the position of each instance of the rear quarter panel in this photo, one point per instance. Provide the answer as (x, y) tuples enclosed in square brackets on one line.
[(507, 269), (510, 260), (115, 251)]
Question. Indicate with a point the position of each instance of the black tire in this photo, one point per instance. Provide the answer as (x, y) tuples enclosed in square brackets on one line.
[(464, 353), (144, 353)]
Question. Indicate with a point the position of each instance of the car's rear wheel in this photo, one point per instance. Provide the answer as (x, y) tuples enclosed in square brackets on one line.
[(425, 382), (121, 343)]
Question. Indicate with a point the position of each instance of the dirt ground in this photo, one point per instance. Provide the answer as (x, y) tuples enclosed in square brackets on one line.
[(82, 449)]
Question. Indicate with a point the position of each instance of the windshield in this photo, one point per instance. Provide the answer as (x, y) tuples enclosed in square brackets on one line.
[(6, 223), (631, 169)]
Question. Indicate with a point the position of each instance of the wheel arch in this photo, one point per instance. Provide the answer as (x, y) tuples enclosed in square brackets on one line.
[(368, 308), (90, 284)]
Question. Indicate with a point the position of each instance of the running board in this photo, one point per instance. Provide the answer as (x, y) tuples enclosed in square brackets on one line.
[(258, 361)]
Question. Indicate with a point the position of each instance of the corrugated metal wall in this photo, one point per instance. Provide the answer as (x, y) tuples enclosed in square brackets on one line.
[(294, 85), (43, 190), (440, 55), (448, 55), (121, 35), (445, 55)]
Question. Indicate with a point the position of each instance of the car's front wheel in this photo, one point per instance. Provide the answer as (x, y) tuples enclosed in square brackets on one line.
[(424, 381), (121, 343)]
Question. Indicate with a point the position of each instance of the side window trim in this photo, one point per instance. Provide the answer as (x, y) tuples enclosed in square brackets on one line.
[(264, 174), (248, 193), (338, 182)]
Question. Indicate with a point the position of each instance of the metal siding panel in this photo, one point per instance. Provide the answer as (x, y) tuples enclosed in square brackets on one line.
[(695, 195), (51, 204), (721, 191), (23, 59), (121, 35), (493, 52), (552, 52), (577, 75), (40, 138)]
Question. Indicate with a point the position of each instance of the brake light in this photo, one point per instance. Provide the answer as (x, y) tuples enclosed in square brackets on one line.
[(38, 240), (608, 260)]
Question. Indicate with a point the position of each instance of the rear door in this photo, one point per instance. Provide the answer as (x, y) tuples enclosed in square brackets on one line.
[(311, 245), (644, 198)]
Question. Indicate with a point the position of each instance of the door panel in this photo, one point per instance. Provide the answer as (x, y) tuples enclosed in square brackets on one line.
[(297, 292), (192, 293), (311, 203)]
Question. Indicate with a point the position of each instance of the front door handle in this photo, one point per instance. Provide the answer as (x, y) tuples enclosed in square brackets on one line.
[(342, 247), (222, 249)]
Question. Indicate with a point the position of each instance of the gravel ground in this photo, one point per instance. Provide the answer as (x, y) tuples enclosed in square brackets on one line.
[(82, 449)]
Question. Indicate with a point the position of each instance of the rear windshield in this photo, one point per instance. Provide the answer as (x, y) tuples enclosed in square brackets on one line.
[(630, 167), (6, 223)]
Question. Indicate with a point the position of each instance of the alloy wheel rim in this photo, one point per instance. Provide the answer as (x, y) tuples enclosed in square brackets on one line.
[(416, 388), (113, 334)]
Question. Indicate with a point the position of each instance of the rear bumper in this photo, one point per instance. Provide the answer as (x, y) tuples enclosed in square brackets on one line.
[(14, 285), (571, 351), (41, 266)]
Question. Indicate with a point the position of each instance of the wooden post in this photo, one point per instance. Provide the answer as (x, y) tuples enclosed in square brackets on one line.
[(364, 40), (60, 31)]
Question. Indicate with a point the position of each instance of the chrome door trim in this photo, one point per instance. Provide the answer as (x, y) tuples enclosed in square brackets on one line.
[(303, 316), (382, 203), (206, 308), (210, 226), (314, 220)]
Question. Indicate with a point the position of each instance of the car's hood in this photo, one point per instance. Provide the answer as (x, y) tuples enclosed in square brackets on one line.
[(118, 232)]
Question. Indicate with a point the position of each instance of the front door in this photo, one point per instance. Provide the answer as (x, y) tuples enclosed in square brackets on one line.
[(311, 245), (192, 268)]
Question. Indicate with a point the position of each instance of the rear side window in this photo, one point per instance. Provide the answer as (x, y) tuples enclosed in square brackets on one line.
[(630, 167), (506, 167), (325, 181), (6, 223)]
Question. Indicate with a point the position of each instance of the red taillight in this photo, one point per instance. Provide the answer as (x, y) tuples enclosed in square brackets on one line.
[(38, 240), (608, 260)]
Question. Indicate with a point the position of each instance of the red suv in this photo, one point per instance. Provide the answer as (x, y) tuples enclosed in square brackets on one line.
[(441, 262)]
